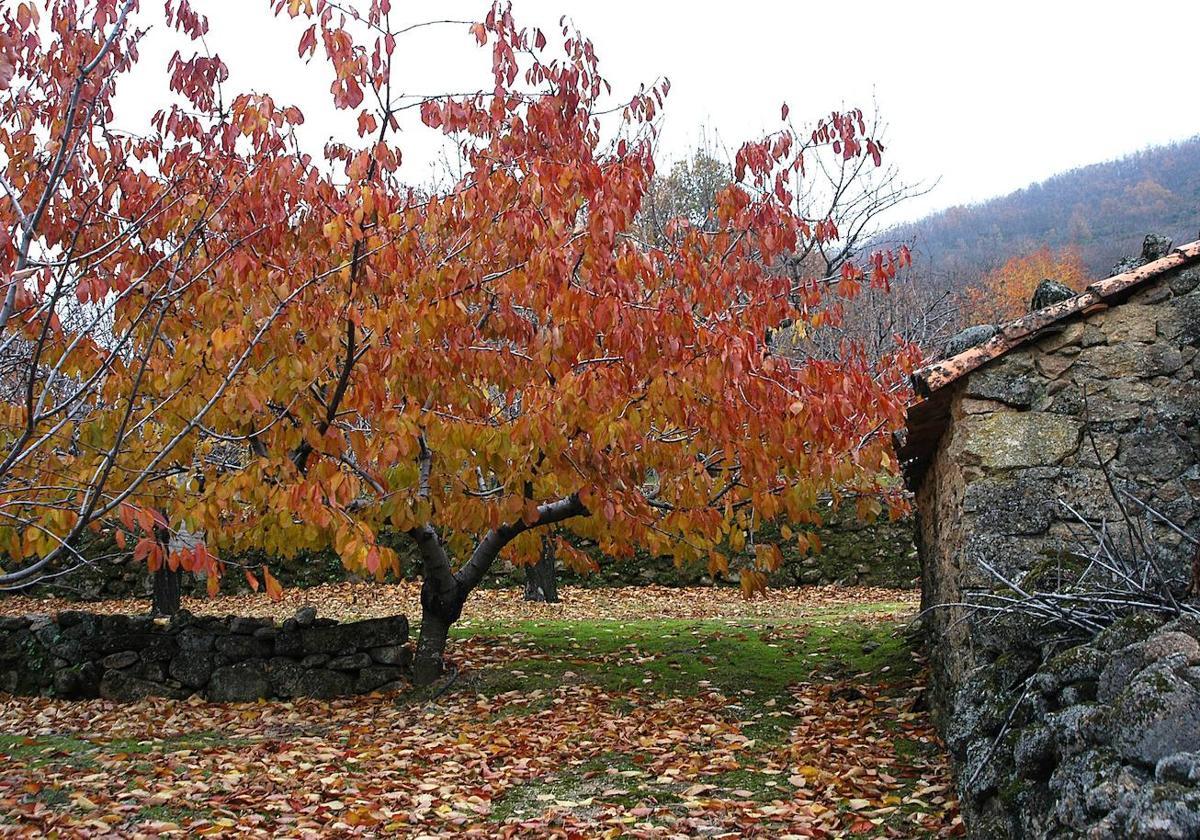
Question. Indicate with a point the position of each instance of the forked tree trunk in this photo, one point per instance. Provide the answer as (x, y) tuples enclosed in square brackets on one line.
[(444, 591), (166, 591), (541, 579)]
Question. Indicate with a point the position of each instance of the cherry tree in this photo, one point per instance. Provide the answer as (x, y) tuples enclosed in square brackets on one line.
[(285, 352)]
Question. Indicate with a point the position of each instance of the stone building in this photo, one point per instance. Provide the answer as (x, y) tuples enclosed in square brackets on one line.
[(1089, 398)]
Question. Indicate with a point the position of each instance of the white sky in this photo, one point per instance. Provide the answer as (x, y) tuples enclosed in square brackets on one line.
[(981, 97)]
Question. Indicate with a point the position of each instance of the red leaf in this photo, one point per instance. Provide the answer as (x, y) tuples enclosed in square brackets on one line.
[(143, 549), (354, 94), (308, 41), (7, 68)]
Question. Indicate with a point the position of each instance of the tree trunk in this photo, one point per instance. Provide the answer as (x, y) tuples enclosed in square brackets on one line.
[(541, 579), (166, 591), (166, 600), (443, 592), (436, 618)]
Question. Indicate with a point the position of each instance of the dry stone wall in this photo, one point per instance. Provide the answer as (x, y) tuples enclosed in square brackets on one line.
[(1050, 737), (1101, 740), (79, 654), (1114, 392)]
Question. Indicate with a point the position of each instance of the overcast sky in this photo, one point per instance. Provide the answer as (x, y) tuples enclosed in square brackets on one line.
[(982, 98)]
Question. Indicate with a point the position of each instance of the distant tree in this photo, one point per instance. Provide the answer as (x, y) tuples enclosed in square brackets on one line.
[(1148, 197), (689, 191), (1005, 293), (541, 577), (1079, 232)]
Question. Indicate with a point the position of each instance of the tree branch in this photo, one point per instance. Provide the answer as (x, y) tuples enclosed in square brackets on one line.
[(495, 540)]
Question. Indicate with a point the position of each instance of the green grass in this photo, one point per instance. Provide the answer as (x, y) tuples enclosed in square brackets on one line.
[(685, 658), (169, 813), (760, 786), (48, 750), (54, 797), (910, 749), (617, 779), (614, 778)]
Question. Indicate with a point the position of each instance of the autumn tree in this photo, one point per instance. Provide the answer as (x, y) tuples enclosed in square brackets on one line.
[(1004, 293), (286, 353)]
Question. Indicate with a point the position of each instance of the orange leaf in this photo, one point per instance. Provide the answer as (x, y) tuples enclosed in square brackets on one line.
[(274, 590), (144, 548)]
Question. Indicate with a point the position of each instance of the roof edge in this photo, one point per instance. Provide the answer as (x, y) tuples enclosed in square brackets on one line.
[(938, 375)]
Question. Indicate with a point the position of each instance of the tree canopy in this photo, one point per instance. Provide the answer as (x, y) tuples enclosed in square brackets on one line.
[(206, 328)]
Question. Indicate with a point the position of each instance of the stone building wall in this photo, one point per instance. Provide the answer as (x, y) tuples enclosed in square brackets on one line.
[(78, 654), (1118, 387)]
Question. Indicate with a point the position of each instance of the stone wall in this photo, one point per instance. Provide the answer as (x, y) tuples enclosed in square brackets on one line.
[(78, 654), (1101, 740), (880, 553), (1119, 388)]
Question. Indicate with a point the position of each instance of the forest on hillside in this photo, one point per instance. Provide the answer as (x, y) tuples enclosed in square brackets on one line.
[(1103, 211)]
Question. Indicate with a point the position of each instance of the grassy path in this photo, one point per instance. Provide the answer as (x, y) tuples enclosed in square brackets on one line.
[(706, 717)]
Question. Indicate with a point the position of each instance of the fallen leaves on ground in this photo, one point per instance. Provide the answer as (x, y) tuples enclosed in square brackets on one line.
[(364, 600), (569, 758), (629, 764)]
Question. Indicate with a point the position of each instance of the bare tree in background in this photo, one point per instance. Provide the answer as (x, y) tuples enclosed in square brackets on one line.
[(915, 311), (850, 198), (854, 194)]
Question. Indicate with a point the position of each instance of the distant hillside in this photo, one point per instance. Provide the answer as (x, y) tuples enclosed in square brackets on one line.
[(1105, 210)]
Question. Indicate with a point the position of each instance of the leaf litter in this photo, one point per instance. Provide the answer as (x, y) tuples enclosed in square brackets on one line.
[(830, 756)]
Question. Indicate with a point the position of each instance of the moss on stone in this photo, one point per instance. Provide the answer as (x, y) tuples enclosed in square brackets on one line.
[(1135, 627)]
